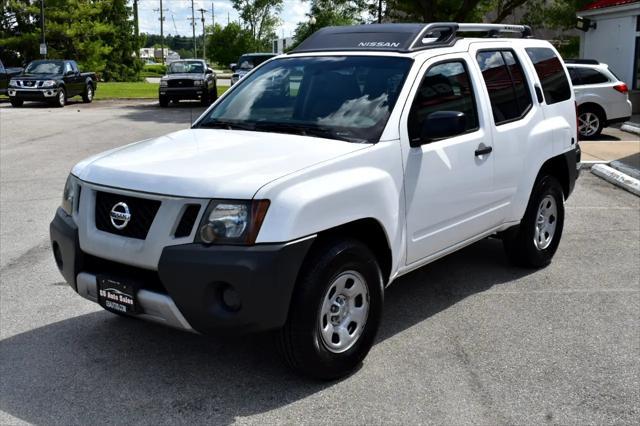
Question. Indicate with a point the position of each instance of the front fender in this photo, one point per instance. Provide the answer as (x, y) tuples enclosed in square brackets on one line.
[(362, 185)]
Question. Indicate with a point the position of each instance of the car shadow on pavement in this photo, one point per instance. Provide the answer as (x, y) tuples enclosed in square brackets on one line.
[(98, 367)]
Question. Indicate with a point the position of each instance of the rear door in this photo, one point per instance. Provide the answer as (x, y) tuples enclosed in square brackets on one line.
[(514, 115), (4, 80), (448, 184)]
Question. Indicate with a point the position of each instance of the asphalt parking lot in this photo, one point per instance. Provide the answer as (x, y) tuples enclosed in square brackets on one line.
[(465, 340)]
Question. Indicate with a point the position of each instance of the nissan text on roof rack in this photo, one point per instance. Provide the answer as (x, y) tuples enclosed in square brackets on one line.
[(323, 176)]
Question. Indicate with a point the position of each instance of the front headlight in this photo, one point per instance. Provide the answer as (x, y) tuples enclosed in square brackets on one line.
[(69, 195), (13, 83), (48, 83), (163, 83), (232, 222), (198, 83)]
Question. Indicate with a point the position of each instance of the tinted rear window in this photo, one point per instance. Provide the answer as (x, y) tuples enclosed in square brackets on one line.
[(555, 85), (591, 76)]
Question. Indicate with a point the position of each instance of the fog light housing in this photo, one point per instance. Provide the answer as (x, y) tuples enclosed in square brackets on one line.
[(231, 299)]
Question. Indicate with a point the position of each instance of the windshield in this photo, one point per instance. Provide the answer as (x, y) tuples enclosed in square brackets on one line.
[(249, 62), (44, 67), (339, 97), (193, 67)]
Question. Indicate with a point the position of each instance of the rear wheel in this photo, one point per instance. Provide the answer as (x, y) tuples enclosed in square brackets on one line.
[(87, 96), (16, 102), (534, 242), (335, 310), (590, 122)]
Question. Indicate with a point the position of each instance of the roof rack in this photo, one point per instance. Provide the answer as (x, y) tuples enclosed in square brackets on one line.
[(398, 37), (582, 61)]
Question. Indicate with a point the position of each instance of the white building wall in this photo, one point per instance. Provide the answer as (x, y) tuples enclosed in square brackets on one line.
[(612, 42)]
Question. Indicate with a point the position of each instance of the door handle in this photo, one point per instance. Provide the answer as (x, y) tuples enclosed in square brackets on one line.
[(482, 150)]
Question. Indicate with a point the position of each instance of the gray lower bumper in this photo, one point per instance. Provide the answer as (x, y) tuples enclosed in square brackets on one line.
[(156, 307)]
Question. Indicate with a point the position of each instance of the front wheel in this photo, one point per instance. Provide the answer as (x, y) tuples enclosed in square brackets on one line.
[(164, 101), (534, 242), (16, 102), (61, 99), (335, 310)]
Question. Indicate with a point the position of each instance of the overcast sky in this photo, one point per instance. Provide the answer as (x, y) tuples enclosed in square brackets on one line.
[(179, 10)]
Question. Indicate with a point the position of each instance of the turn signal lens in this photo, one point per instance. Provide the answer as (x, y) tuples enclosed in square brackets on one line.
[(622, 88)]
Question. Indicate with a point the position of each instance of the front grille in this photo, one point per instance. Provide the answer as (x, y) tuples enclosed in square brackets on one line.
[(180, 82), (149, 280), (188, 220), (142, 212)]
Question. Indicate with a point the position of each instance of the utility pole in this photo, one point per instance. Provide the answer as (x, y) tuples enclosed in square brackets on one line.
[(193, 27), (213, 16), (204, 41), (379, 11), (135, 23), (161, 10), (44, 43)]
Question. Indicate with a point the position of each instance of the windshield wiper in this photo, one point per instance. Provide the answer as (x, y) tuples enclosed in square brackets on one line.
[(228, 125), (305, 130)]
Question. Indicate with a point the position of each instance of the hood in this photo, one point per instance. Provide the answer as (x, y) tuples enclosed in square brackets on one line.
[(185, 75), (209, 163)]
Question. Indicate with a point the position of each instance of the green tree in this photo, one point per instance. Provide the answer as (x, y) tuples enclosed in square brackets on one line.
[(260, 18), (324, 13), (98, 34), (226, 44)]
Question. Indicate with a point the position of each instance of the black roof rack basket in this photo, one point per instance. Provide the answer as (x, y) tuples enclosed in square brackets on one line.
[(398, 37)]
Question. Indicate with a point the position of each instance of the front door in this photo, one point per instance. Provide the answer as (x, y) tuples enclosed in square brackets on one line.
[(448, 181)]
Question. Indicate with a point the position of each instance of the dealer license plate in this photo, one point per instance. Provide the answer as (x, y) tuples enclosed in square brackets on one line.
[(117, 295)]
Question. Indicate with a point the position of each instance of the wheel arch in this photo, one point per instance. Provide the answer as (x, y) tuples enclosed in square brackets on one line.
[(593, 106), (370, 232), (557, 167)]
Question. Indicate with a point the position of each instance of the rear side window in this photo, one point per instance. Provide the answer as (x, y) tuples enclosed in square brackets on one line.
[(574, 75), (591, 76), (555, 85), (445, 87), (507, 86)]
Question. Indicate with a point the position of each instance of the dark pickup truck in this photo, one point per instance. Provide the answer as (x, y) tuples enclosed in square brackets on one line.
[(53, 81), (5, 76)]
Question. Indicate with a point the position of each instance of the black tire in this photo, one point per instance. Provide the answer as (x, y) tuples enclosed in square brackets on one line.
[(61, 99), (214, 93), (17, 103), (300, 340), (519, 242), (590, 118), (164, 101), (87, 96)]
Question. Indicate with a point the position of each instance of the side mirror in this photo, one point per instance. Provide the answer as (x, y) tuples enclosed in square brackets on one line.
[(70, 72), (441, 124), (209, 71), (233, 67)]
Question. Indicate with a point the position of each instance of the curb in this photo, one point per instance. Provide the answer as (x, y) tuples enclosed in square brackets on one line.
[(626, 169), (630, 127), (617, 178)]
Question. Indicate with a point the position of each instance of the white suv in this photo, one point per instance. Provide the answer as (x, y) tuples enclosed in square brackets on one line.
[(601, 97), (320, 178)]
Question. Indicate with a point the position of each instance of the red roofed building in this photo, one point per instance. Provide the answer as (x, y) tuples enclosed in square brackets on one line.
[(613, 37)]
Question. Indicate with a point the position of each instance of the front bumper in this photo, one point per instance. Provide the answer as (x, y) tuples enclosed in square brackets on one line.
[(194, 282), (32, 94), (183, 92)]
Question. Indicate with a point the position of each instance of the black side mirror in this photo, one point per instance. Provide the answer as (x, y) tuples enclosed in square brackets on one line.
[(209, 71), (441, 124), (233, 67)]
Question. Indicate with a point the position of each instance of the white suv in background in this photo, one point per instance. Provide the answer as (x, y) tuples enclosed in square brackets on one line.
[(323, 176), (601, 97)]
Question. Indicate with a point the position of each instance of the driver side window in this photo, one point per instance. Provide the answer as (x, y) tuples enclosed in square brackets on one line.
[(67, 67), (445, 87)]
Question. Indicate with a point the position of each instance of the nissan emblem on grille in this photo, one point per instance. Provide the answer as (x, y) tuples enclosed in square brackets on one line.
[(120, 215)]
